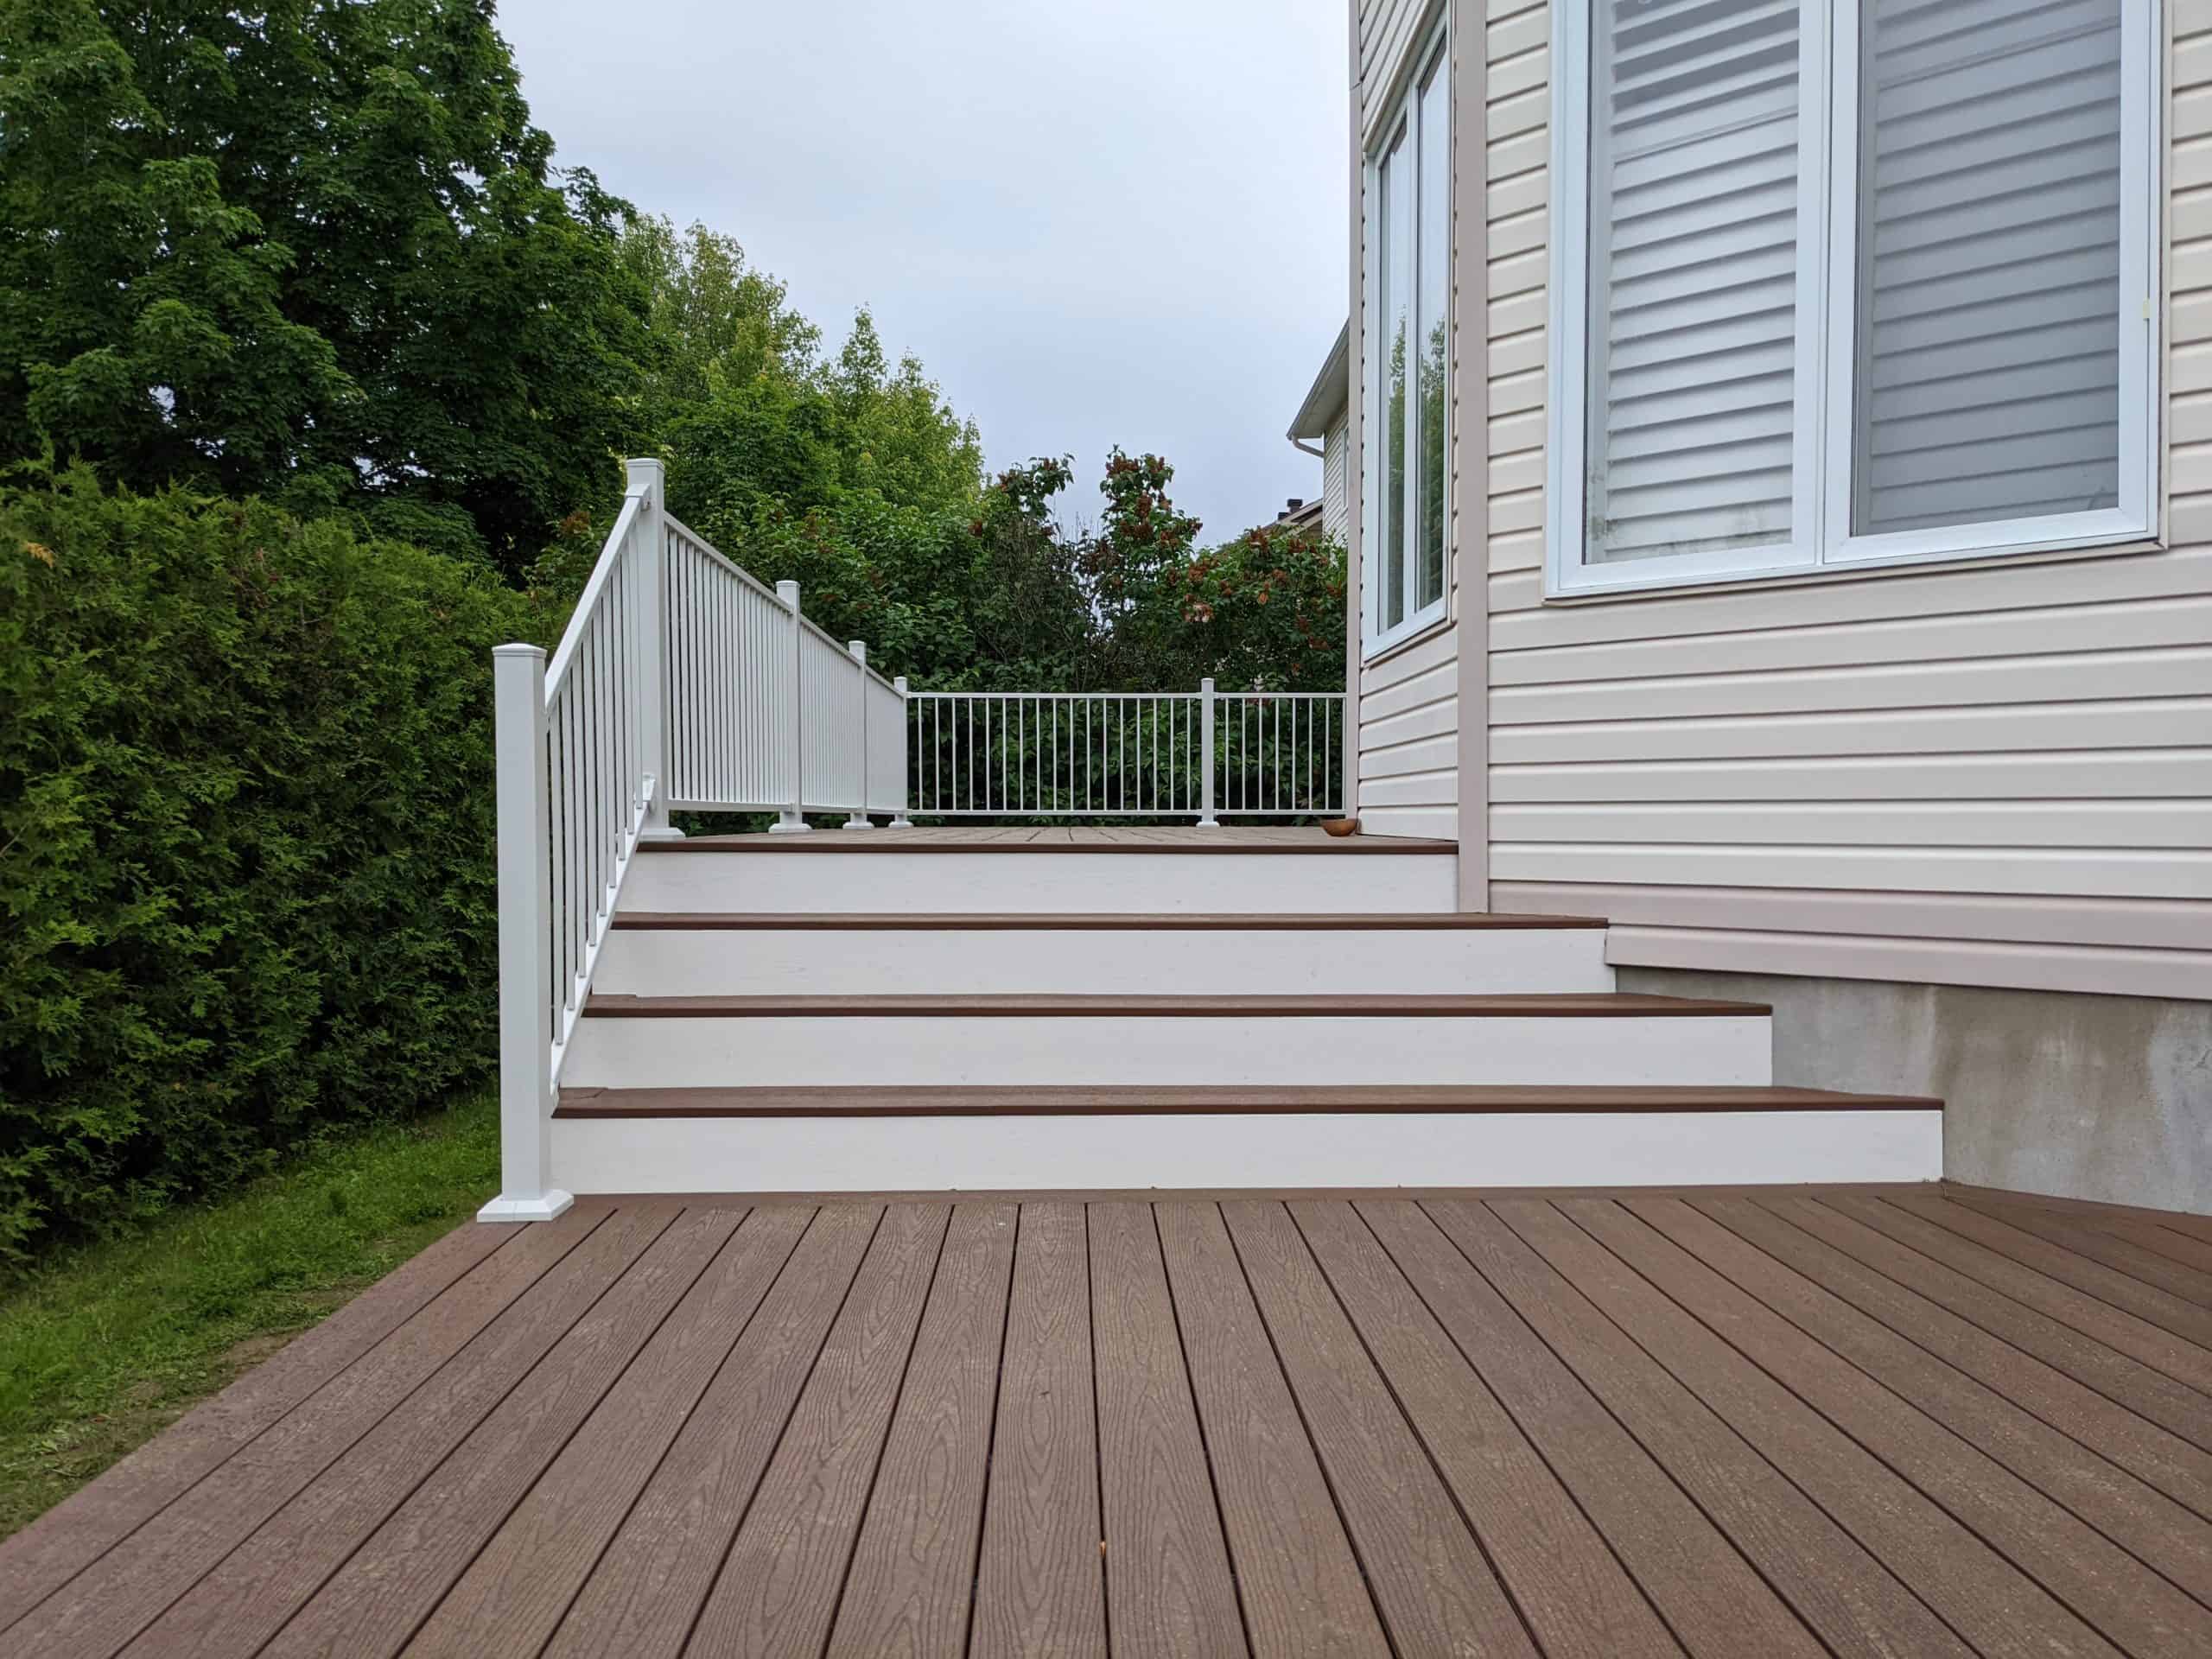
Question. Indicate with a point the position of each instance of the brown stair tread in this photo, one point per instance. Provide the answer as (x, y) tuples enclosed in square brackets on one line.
[(1086, 1101), (1092, 921), (908, 841), (1581, 1005)]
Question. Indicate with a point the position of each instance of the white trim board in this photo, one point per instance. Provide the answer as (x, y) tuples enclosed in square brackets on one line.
[(1062, 882), (1201, 961), (1224, 1150), (895, 1050)]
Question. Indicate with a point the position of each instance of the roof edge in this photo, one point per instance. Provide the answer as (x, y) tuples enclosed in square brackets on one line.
[(1331, 392)]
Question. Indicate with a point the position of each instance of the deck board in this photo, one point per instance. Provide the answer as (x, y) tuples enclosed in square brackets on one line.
[(1696, 1422), (1039, 1583)]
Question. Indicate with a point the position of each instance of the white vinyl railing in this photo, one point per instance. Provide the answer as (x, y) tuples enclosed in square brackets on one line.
[(683, 683), (1203, 754), (680, 682)]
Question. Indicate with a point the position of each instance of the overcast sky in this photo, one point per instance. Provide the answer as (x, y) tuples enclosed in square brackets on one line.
[(1096, 221)]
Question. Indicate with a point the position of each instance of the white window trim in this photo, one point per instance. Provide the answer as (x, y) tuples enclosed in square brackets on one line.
[(1828, 222), (1432, 49)]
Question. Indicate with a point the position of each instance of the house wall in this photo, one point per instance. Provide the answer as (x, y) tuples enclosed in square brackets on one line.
[(1334, 504), (2102, 1097), (1997, 776), (1407, 720)]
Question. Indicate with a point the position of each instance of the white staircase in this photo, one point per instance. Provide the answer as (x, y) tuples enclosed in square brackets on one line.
[(896, 1009), (924, 1010)]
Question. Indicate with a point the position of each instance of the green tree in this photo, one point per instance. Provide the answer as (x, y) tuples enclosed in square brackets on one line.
[(713, 320), (141, 310), (312, 250)]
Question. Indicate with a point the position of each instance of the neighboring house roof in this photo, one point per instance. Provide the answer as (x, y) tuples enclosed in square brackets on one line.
[(1301, 514), (1331, 392)]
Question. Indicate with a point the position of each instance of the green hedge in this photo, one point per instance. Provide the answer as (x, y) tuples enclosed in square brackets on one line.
[(246, 859)]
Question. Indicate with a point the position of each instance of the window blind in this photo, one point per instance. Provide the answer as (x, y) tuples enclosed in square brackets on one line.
[(1987, 384), (1693, 275)]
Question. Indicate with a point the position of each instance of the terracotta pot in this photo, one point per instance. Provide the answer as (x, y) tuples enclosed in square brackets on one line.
[(1341, 826)]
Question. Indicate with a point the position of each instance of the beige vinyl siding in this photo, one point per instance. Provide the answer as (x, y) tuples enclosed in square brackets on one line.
[(1408, 718), (1334, 444), (2000, 775), (1409, 738)]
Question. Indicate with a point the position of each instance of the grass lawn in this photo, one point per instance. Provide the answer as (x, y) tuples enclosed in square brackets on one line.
[(108, 1344)]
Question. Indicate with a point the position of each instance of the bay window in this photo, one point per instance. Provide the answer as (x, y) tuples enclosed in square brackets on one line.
[(1841, 283), (1408, 282)]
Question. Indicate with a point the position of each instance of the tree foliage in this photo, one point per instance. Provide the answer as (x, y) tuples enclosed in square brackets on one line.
[(310, 250)]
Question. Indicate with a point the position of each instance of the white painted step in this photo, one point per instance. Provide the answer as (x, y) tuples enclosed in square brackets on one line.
[(904, 1141), (1088, 1040), (751, 874), (659, 954)]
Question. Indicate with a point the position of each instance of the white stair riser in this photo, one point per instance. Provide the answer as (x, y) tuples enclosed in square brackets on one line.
[(1268, 1150), (1202, 962), (1119, 883), (891, 1050)]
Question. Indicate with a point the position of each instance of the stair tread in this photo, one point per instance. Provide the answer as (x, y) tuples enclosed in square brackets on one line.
[(1109, 921), (1076, 1100), (1523, 1005), (910, 842)]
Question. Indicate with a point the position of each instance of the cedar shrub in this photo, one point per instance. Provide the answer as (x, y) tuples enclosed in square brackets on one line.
[(247, 841)]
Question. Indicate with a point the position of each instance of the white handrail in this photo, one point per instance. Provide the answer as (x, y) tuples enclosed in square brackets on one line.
[(681, 681)]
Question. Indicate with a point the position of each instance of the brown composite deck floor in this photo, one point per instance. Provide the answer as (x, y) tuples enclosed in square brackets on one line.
[(1760, 1422), (1178, 837)]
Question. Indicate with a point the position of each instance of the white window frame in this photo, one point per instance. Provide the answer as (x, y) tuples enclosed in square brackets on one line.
[(1821, 539), (1431, 52)]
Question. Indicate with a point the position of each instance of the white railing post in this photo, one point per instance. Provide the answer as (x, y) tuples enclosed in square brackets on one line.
[(899, 820), (859, 819), (791, 821), (1206, 819), (526, 1191), (648, 481)]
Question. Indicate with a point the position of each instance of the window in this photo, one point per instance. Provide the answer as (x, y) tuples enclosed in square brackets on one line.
[(1841, 283), (1409, 350)]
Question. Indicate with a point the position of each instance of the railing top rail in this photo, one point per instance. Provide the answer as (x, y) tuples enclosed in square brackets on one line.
[(700, 544), (580, 618), (1099, 696)]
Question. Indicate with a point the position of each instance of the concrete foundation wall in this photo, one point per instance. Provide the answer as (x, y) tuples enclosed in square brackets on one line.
[(2073, 1094)]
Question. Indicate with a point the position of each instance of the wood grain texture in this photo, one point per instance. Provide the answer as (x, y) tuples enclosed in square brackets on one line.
[(2112, 1525), (514, 1592), (518, 1299), (779, 1586), (1093, 921), (2165, 1460), (643, 1597), (1424, 1568), (1693, 1514), (82, 1526), (1169, 1591), (1579, 1005), (1236, 841), (2051, 1293), (2101, 1243), (1700, 1422), (394, 1580), (1993, 1604), (1039, 1580), (1304, 1595), (1563, 1577), (339, 1515), (908, 1589), (2063, 1262), (2149, 1393)]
